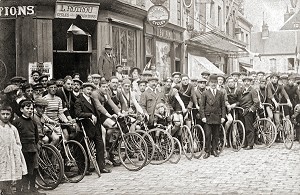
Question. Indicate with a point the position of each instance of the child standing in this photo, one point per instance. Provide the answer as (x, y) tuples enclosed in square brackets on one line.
[(11, 167), (29, 137)]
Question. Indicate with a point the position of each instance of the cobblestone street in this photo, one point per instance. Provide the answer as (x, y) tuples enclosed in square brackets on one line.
[(258, 171)]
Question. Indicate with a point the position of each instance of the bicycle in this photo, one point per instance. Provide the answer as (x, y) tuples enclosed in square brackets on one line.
[(221, 139), (132, 148), (74, 155), (198, 137), (50, 167), (89, 146), (160, 141), (265, 128), (236, 132), (176, 155), (286, 129)]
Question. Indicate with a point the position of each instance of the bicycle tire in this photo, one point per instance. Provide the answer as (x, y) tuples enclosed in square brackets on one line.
[(164, 146), (49, 165), (221, 140), (176, 156), (91, 152), (288, 133), (237, 135), (187, 142), (198, 141), (267, 131), (133, 151), (150, 144), (73, 172)]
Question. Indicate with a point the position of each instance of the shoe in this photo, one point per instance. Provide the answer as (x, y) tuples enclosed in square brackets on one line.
[(249, 148), (244, 146), (215, 154), (88, 173), (206, 155), (105, 171)]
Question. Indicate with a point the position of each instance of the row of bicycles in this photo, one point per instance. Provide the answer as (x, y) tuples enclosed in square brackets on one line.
[(69, 160)]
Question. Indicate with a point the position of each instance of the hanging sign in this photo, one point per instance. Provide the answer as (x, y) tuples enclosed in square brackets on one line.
[(45, 68), (158, 2), (187, 3), (72, 10), (158, 15)]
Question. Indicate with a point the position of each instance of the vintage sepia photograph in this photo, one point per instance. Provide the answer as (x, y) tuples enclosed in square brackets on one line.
[(149, 97)]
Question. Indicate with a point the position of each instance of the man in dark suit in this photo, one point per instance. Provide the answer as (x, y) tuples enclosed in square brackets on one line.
[(107, 63), (85, 108), (249, 101), (212, 112)]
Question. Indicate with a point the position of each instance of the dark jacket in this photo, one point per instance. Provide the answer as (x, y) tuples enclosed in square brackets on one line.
[(249, 99), (107, 66), (83, 109), (68, 99), (212, 107)]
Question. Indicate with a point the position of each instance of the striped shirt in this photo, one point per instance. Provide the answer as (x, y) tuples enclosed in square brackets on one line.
[(55, 110)]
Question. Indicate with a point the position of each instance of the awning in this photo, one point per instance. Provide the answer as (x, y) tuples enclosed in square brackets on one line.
[(214, 39), (198, 64), (77, 31), (247, 68)]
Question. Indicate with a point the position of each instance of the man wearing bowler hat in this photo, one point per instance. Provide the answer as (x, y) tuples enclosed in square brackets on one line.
[(212, 113), (107, 63)]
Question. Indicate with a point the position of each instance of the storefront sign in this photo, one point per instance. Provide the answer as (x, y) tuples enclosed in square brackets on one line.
[(14, 11), (71, 11), (158, 15), (164, 33), (45, 68)]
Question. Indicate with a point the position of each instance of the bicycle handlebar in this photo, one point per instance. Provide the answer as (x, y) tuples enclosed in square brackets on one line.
[(266, 104), (283, 104)]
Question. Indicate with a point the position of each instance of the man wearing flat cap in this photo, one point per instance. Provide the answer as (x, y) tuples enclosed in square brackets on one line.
[(85, 107), (150, 98), (212, 113), (35, 74), (249, 101), (205, 74), (107, 63), (176, 76)]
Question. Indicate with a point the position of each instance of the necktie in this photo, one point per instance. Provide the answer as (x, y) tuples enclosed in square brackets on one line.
[(214, 92)]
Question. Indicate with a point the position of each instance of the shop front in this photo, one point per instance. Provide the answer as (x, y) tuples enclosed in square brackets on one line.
[(164, 49)]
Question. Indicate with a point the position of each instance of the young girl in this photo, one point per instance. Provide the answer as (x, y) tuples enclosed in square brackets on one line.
[(11, 166)]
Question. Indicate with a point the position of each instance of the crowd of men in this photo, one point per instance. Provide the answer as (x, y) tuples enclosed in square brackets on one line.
[(212, 97)]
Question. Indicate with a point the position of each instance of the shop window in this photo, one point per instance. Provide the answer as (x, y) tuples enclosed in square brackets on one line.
[(273, 64), (177, 66), (163, 59), (124, 44), (291, 63), (179, 12)]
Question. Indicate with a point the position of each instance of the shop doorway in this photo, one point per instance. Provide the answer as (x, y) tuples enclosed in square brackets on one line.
[(70, 63)]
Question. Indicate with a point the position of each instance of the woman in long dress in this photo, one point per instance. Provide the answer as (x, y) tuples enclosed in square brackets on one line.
[(12, 162)]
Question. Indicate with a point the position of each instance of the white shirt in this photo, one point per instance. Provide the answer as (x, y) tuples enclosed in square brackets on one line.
[(87, 98)]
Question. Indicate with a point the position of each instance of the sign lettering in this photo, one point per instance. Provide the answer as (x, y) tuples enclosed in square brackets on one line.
[(71, 11), (14, 11), (158, 15)]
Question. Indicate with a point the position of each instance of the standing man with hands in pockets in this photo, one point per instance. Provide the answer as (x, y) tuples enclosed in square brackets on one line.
[(212, 112), (107, 63)]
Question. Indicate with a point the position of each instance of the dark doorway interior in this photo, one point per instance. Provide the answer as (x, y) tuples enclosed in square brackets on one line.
[(70, 63)]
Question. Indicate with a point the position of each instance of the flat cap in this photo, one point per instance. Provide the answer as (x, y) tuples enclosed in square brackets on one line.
[(201, 80), (135, 68), (18, 79), (37, 86), (176, 73), (96, 76), (10, 88), (247, 78), (205, 73), (235, 73), (142, 81), (152, 78), (41, 102), (78, 81), (213, 77), (84, 85)]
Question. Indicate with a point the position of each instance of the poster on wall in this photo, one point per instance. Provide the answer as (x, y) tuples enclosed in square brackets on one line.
[(163, 59), (45, 68)]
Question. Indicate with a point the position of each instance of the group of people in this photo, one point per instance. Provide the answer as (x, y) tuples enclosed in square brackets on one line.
[(31, 112)]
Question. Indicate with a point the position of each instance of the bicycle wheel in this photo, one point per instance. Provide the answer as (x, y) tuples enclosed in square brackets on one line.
[(221, 140), (91, 151), (164, 146), (288, 133), (176, 156), (50, 169), (150, 144), (237, 135), (187, 142), (267, 131), (75, 160), (198, 140), (133, 151)]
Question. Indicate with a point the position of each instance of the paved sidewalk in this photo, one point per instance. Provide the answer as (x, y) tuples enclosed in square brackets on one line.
[(258, 171)]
